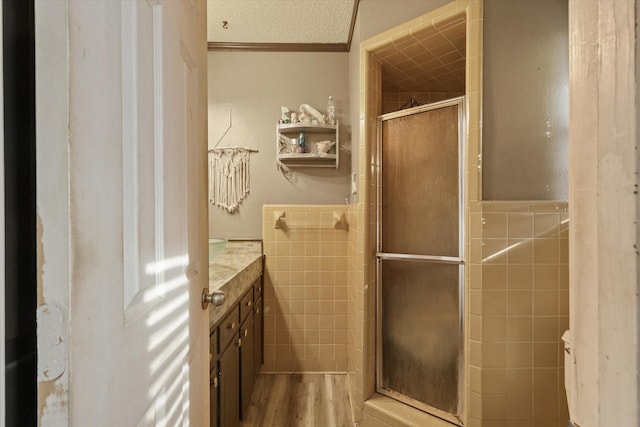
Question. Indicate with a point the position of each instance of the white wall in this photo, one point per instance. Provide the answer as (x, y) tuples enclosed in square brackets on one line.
[(377, 16), (525, 86), (525, 117), (254, 85), (374, 17)]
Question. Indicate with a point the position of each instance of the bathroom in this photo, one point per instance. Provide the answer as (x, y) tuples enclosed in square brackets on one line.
[(320, 300), (115, 143)]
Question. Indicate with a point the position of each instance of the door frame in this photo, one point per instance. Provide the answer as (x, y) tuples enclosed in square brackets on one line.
[(379, 167), (604, 307), (54, 242), (2, 232)]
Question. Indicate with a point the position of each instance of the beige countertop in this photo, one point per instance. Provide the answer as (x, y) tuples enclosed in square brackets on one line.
[(233, 272)]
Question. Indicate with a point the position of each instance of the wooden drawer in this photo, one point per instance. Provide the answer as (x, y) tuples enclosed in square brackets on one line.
[(213, 349), (258, 337), (257, 290), (228, 328), (246, 304)]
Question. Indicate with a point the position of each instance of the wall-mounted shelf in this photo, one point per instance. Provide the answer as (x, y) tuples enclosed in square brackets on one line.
[(311, 157)]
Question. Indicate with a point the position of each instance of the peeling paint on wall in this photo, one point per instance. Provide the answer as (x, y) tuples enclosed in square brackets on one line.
[(39, 258), (52, 342), (52, 366), (52, 403)]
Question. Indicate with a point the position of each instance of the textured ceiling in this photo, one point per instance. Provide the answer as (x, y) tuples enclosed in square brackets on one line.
[(428, 60), (279, 21)]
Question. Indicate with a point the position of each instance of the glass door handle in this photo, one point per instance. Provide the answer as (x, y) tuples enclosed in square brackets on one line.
[(415, 257)]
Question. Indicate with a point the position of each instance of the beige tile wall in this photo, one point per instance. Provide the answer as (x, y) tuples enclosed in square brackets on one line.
[(432, 59), (362, 274), (306, 293), (355, 313), (518, 310), (369, 239), (371, 105), (516, 284)]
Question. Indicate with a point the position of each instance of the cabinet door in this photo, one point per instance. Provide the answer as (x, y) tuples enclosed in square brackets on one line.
[(247, 363), (213, 378), (213, 398), (229, 366), (258, 337)]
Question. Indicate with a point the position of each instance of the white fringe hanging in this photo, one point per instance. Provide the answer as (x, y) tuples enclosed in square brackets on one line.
[(228, 176)]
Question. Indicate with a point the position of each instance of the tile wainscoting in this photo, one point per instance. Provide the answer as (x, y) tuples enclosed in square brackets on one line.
[(518, 310), (306, 278)]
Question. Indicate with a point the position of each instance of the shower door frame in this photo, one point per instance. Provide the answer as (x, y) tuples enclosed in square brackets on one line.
[(459, 102)]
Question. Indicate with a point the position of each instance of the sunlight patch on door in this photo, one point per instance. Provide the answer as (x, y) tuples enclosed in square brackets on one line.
[(161, 338), (176, 305), (163, 307), (166, 264), (168, 346), (170, 406)]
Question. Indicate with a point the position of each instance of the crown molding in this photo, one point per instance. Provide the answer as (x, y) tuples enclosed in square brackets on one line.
[(279, 47)]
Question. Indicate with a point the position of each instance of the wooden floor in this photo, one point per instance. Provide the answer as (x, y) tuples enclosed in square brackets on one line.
[(310, 400)]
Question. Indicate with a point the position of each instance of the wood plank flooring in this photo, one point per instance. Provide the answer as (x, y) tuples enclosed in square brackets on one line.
[(296, 400)]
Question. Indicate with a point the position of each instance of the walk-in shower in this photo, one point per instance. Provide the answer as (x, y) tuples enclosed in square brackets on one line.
[(420, 257)]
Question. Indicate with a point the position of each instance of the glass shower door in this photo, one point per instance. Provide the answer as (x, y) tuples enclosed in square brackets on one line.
[(419, 252)]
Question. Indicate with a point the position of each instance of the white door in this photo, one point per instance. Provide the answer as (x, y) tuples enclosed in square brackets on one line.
[(121, 146)]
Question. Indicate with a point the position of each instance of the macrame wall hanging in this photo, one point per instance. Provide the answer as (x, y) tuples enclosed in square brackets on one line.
[(229, 176), (228, 173)]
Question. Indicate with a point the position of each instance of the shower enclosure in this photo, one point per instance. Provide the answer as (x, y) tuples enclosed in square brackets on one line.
[(420, 258)]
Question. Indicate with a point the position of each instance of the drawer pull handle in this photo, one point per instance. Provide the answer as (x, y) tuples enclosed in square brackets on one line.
[(249, 303), (232, 325)]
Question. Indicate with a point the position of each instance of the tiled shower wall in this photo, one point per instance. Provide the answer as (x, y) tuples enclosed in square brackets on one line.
[(518, 311), (355, 337), (305, 289), (370, 409), (362, 283)]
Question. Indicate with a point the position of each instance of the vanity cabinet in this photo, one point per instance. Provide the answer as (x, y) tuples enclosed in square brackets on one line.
[(313, 134), (229, 371), (214, 382), (258, 332), (247, 366), (229, 374), (236, 354)]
